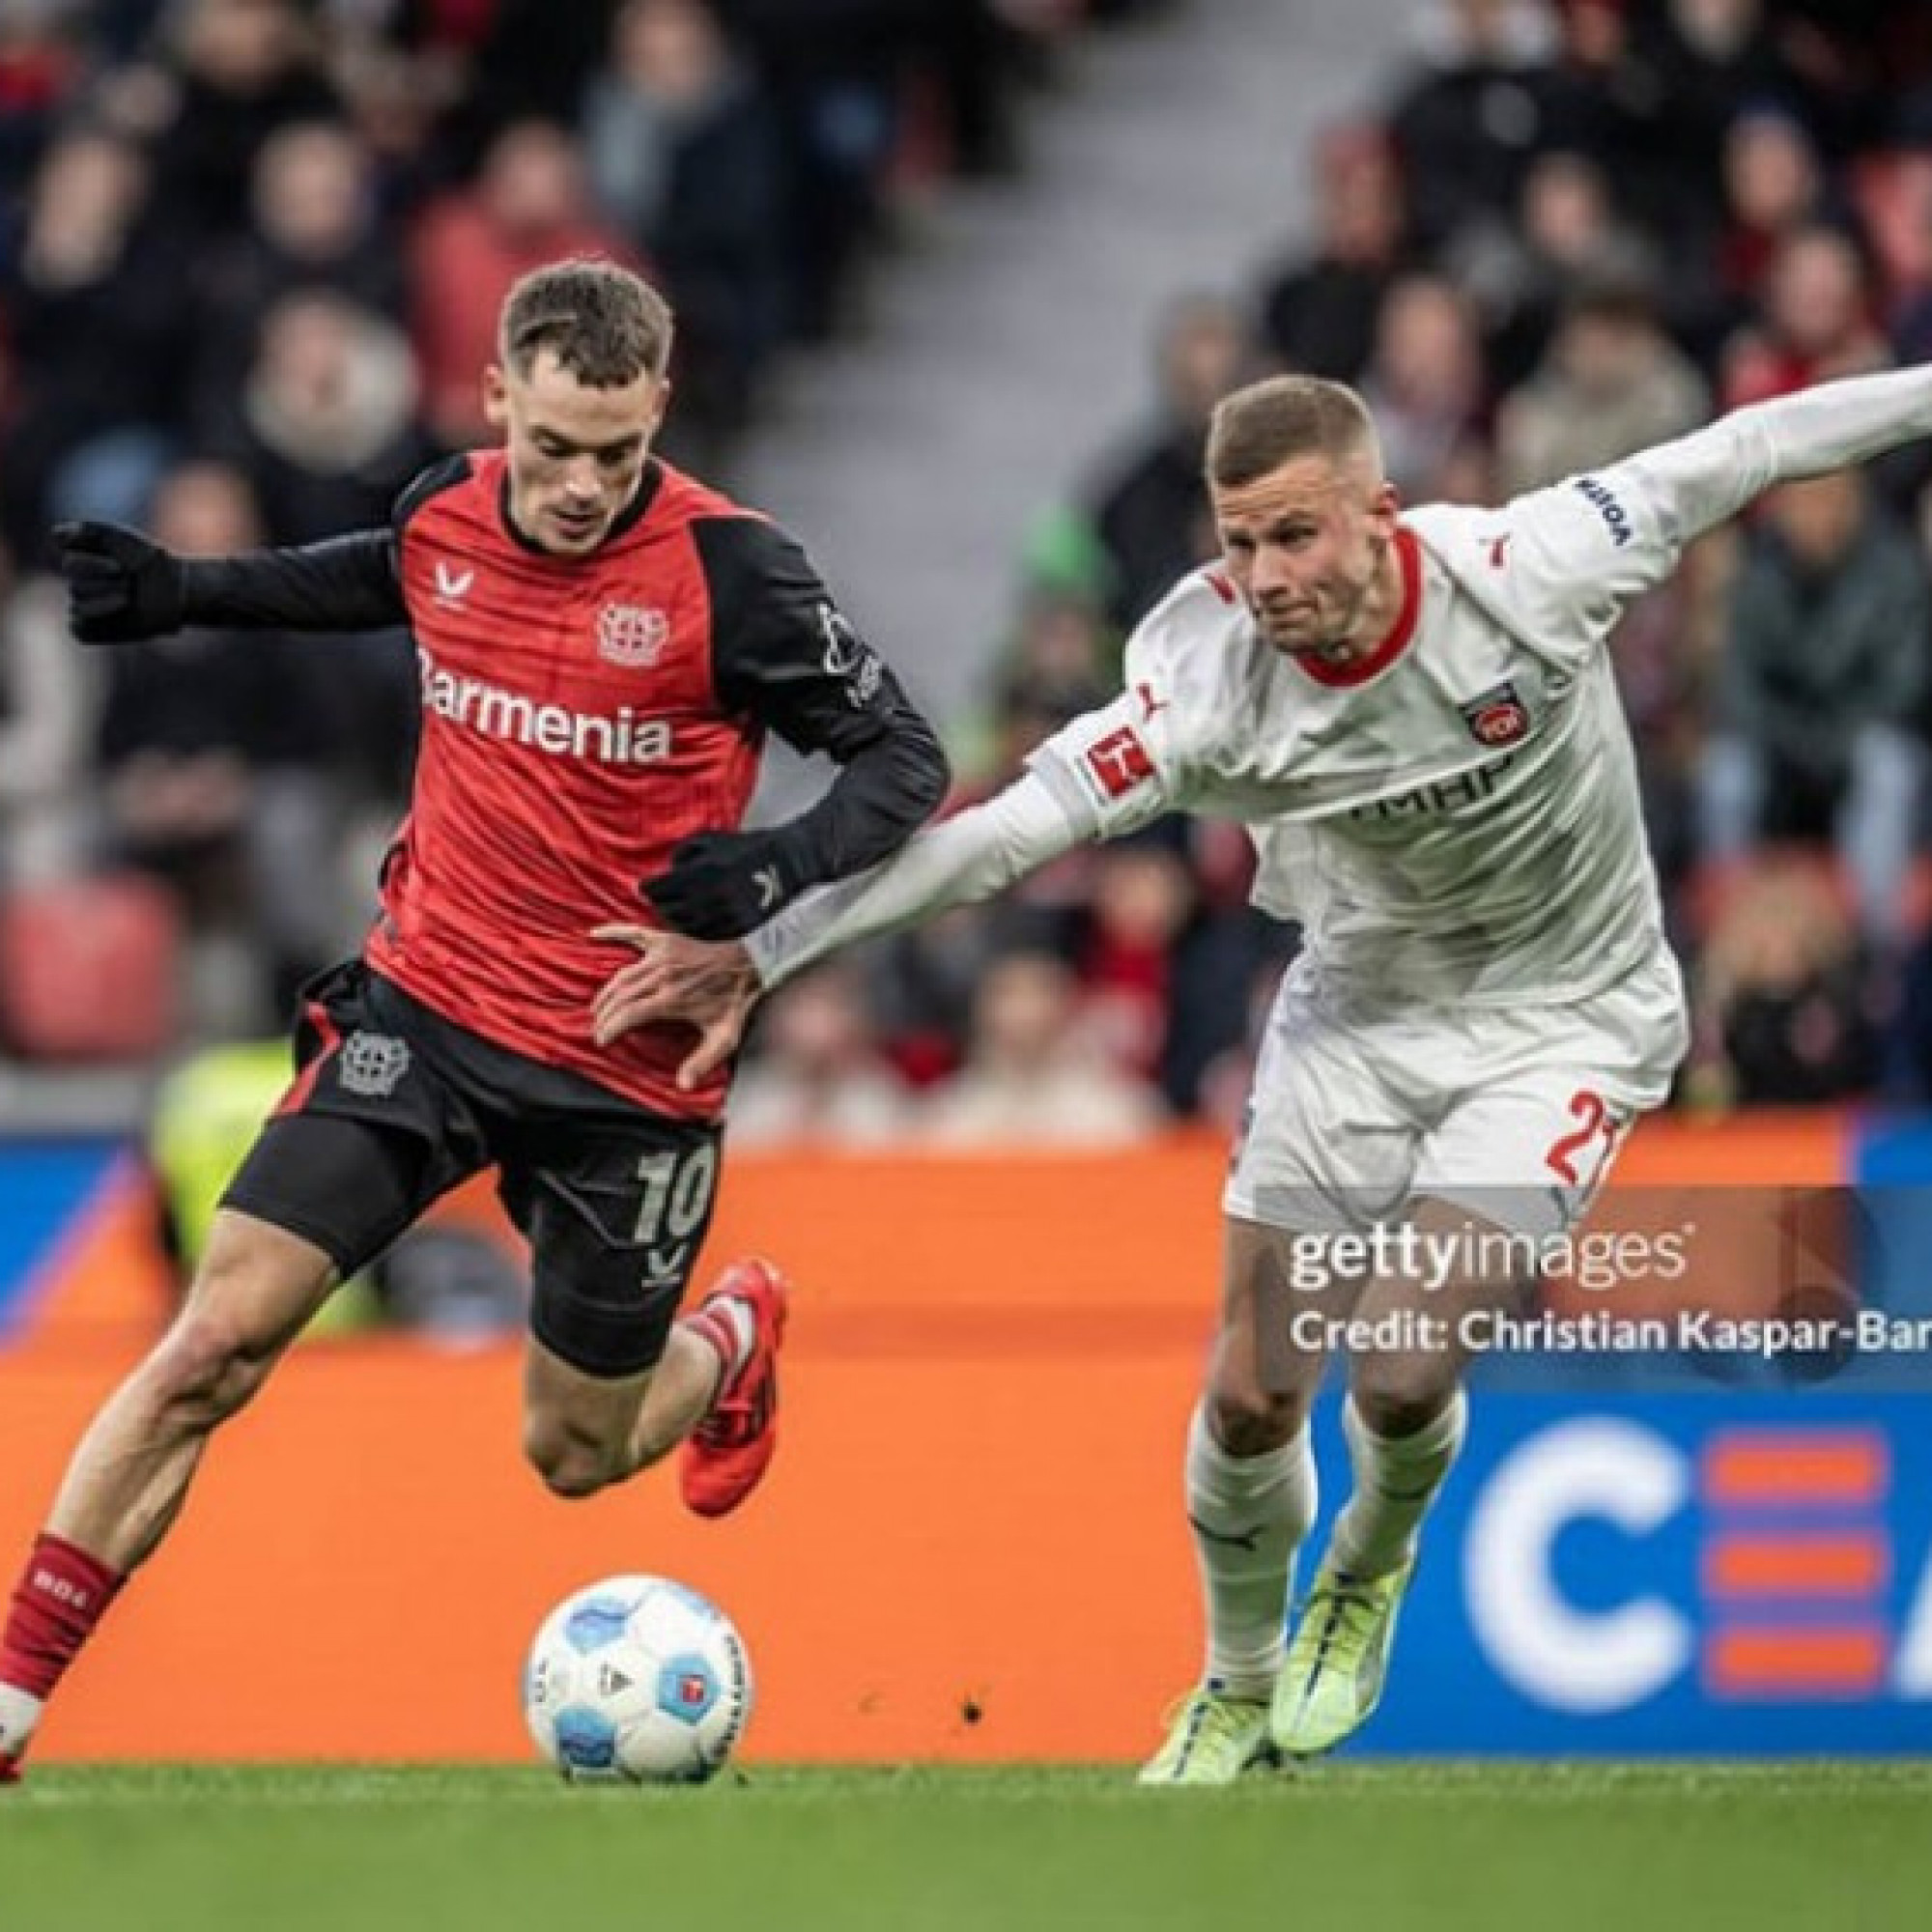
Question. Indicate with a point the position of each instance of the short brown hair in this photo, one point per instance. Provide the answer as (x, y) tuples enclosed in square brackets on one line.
[(605, 324), (1257, 429)]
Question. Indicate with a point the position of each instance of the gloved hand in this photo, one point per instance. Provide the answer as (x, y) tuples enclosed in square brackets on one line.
[(720, 885), (120, 587)]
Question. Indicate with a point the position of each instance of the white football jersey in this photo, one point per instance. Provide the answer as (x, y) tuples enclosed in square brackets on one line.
[(1456, 819)]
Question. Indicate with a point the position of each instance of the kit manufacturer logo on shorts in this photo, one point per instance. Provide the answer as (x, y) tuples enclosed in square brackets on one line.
[(1497, 718), (373, 1065), (632, 635)]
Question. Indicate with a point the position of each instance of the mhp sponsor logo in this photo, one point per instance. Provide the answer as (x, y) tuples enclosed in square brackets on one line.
[(1674, 1575)]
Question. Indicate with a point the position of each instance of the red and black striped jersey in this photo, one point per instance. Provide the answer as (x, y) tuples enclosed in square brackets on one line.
[(580, 716)]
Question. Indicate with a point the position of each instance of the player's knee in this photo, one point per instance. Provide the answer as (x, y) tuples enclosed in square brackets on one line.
[(1250, 1420), (571, 1463), (204, 1371), (1398, 1394)]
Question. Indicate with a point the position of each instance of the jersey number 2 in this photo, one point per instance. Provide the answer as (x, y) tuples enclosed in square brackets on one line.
[(1598, 1123)]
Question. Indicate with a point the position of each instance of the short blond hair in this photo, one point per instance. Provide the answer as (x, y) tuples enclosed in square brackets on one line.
[(1255, 430)]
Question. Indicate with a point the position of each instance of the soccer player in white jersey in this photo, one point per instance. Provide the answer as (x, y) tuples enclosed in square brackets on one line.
[(1414, 715)]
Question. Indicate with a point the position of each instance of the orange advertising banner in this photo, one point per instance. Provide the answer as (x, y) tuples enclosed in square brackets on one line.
[(972, 1546)]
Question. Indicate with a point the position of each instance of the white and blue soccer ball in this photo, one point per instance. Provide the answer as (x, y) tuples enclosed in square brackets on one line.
[(637, 1680)]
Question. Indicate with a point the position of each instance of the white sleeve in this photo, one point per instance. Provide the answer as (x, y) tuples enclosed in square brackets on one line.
[(1117, 769), (963, 860), (1584, 548), (1702, 479)]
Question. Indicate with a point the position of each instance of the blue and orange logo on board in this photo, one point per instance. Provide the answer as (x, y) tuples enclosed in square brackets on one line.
[(1793, 1538), (1796, 1562)]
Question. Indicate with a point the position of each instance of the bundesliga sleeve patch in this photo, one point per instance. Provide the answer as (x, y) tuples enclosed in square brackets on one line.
[(1119, 763)]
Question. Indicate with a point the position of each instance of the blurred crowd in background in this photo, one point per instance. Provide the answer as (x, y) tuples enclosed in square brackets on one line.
[(251, 253), (1573, 228)]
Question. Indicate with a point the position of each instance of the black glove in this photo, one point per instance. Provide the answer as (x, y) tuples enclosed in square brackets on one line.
[(720, 885), (120, 587)]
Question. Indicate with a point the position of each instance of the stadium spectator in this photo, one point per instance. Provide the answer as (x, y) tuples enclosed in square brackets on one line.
[(1142, 902), (1824, 677), (683, 157), (529, 205), (1784, 1013), (239, 70), (1604, 102), (835, 73), (1468, 126), (1610, 382), (1711, 58), (819, 1076), (1519, 275), (1318, 309), (219, 756), (1061, 658), (324, 421), (39, 62), (1035, 1073), (1150, 510), (1425, 384), (1895, 199), (47, 726), (315, 224), (1813, 322), (96, 325), (1774, 186)]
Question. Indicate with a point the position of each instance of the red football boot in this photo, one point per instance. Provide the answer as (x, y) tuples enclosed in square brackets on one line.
[(728, 1452), (9, 1768)]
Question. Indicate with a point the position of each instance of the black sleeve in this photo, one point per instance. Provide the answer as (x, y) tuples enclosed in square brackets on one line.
[(345, 583), (783, 652)]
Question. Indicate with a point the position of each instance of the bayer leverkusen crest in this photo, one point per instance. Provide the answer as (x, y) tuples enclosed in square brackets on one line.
[(1497, 718), (632, 635)]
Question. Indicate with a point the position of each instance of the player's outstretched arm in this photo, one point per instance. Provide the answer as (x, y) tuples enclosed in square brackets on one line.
[(713, 988), (966, 858), (1700, 479), (720, 885), (782, 653), (122, 587)]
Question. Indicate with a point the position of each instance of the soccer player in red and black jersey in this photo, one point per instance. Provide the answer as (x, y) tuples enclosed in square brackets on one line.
[(604, 643)]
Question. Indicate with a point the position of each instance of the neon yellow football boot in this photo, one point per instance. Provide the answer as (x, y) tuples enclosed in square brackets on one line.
[(1338, 1661), (1212, 1738)]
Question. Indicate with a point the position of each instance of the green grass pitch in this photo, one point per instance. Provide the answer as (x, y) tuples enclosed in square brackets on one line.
[(1562, 1847)]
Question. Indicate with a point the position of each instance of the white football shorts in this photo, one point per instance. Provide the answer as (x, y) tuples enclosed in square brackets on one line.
[(1514, 1114)]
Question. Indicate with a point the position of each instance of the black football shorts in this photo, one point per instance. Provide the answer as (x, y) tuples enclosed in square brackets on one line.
[(393, 1105)]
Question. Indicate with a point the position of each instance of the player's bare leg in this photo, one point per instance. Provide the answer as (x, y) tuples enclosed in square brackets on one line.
[(1404, 1420), (583, 1433), (714, 1388), (1251, 1496), (256, 1289)]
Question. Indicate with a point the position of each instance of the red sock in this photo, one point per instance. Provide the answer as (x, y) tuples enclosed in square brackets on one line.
[(61, 1596)]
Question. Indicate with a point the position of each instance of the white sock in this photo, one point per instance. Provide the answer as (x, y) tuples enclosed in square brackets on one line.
[(737, 1310), (1396, 1480), (19, 1713), (1249, 1515)]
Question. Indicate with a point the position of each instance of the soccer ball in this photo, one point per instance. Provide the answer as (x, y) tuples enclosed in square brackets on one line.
[(638, 1680)]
